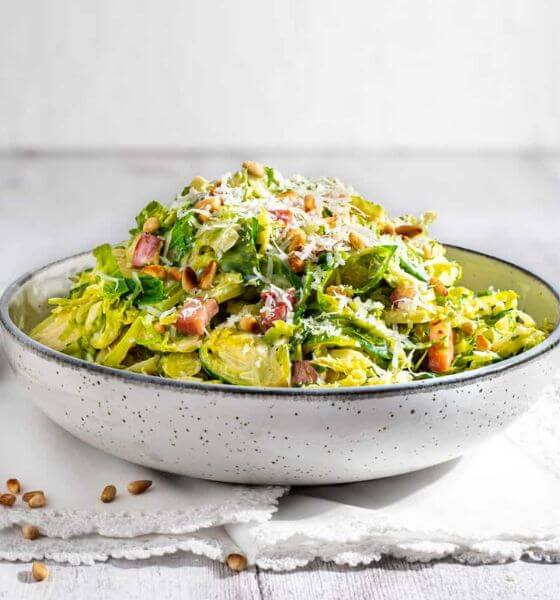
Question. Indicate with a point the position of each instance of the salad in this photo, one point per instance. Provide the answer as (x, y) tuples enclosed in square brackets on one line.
[(260, 280)]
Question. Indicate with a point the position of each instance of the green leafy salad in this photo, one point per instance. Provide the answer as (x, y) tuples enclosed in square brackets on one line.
[(255, 279)]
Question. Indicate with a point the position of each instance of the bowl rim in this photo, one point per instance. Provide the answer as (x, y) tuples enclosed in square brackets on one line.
[(388, 389)]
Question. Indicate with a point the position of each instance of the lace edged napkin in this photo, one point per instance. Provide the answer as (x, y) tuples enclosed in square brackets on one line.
[(500, 502)]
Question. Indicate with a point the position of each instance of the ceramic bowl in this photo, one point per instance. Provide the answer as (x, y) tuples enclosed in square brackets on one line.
[(278, 436)]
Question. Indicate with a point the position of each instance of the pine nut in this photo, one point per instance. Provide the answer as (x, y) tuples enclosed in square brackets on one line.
[(13, 486), (138, 487), (249, 323), (297, 265), (39, 571), (30, 532), (174, 273), (309, 203), (409, 230), (427, 251), (438, 286), (287, 195), (387, 229), (108, 494), (207, 277), (210, 205), (160, 328), (7, 499), (402, 293), (331, 221), (297, 238), (156, 271), (27, 496), (151, 225), (356, 241), (254, 169), (236, 562), (37, 501), (188, 280)]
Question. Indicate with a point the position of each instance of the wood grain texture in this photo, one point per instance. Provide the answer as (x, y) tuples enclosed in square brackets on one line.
[(52, 207), (280, 74), (187, 577)]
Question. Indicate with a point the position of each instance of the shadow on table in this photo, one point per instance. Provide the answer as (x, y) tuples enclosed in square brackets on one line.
[(378, 493)]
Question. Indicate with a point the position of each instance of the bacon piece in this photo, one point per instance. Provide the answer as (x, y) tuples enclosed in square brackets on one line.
[(146, 251), (195, 315), (441, 353), (276, 306), (282, 214), (304, 373)]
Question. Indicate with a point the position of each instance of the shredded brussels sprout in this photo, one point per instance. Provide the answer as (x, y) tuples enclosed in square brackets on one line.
[(256, 279)]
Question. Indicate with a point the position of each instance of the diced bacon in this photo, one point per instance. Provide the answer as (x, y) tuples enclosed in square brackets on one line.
[(441, 353), (146, 251), (282, 214), (195, 316), (276, 306), (304, 373)]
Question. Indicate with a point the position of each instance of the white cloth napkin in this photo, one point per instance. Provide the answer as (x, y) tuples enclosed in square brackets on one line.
[(498, 503)]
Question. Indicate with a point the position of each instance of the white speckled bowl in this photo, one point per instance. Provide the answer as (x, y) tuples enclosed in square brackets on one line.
[(282, 435)]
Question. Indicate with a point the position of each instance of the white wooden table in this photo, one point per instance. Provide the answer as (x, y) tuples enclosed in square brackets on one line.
[(53, 206)]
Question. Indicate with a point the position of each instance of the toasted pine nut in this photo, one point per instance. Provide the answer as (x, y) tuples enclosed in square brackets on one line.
[(482, 343), (207, 277), (402, 293), (138, 487), (438, 286), (7, 499), (188, 280), (309, 203), (387, 229), (30, 532), (409, 230), (427, 251), (331, 221), (39, 571), (156, 271), (108, 494), (174, 273), (468, 328), (297, 265), (254, 169), (151, 225), (13, 486), (356, 241), (160, 327), (287, 194), (236, 562), (210, 204), (297, 238), (28, 495), (37, 501), (249, 323)]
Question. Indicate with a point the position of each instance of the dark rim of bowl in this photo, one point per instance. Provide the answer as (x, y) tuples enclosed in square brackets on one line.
[(423, 385)]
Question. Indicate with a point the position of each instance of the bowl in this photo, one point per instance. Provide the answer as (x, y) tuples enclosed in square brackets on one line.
[(278, 435)]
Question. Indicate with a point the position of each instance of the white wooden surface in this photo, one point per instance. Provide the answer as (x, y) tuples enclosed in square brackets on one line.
[(280, 74), (51, 207)]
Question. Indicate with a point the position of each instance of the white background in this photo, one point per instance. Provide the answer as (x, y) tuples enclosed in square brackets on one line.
[(387, 75)]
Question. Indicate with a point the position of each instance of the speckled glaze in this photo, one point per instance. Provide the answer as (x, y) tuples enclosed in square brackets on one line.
[(278, 436)]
